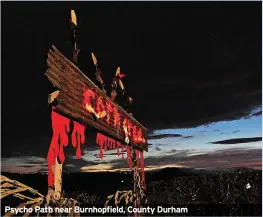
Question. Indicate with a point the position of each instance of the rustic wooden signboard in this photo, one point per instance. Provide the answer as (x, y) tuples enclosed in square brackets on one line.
[(80, 99)]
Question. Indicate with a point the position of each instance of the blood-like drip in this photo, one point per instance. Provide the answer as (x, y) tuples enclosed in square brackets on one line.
[(105, 145), (129, 156), (111, 143), (118, 146), (98, 141), (122, 156), (78, 136), (108, 144), (101, 140), (60, 126)]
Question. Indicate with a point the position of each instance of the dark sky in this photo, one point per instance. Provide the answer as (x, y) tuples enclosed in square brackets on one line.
[(188, 63)]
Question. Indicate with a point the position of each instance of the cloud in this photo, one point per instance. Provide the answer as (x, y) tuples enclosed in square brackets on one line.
[(167, 136), (29, 164), (188, 137), (98, 167), (237, 141), (163, 136), (226, 158), (257, 113)]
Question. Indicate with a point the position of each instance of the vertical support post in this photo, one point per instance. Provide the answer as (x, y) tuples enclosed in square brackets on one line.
[(54, 193), (58, 179), (136, 181)]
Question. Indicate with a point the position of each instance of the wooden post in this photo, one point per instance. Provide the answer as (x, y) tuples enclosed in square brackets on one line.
[(58, 179), (136, 181), (54, 192)]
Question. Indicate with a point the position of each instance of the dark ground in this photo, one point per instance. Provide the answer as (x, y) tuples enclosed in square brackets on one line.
[(203, 192)]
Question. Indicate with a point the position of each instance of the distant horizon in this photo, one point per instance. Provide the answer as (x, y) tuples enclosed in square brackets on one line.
[(146, 170)]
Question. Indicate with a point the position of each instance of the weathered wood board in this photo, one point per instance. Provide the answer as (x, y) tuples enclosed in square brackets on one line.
[(76, 91)]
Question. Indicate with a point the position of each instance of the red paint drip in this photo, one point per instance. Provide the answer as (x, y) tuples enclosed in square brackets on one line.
[(129, 156), (60, 126), (118, 146), (104, 142), (105, 145), (108, 144), (101, 139), (122, 152), (77, 137), (111, 143)]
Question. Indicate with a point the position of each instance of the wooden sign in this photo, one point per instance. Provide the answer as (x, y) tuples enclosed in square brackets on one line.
[(80, 99)]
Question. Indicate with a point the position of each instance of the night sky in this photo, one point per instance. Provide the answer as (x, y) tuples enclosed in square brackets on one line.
[(194, 71)]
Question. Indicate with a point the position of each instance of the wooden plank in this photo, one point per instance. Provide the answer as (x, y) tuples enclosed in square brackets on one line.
[(73, 85)]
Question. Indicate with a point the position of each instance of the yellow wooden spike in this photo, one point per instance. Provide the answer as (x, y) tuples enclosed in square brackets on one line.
[(94, 58), (118, 71), (73, 17)]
